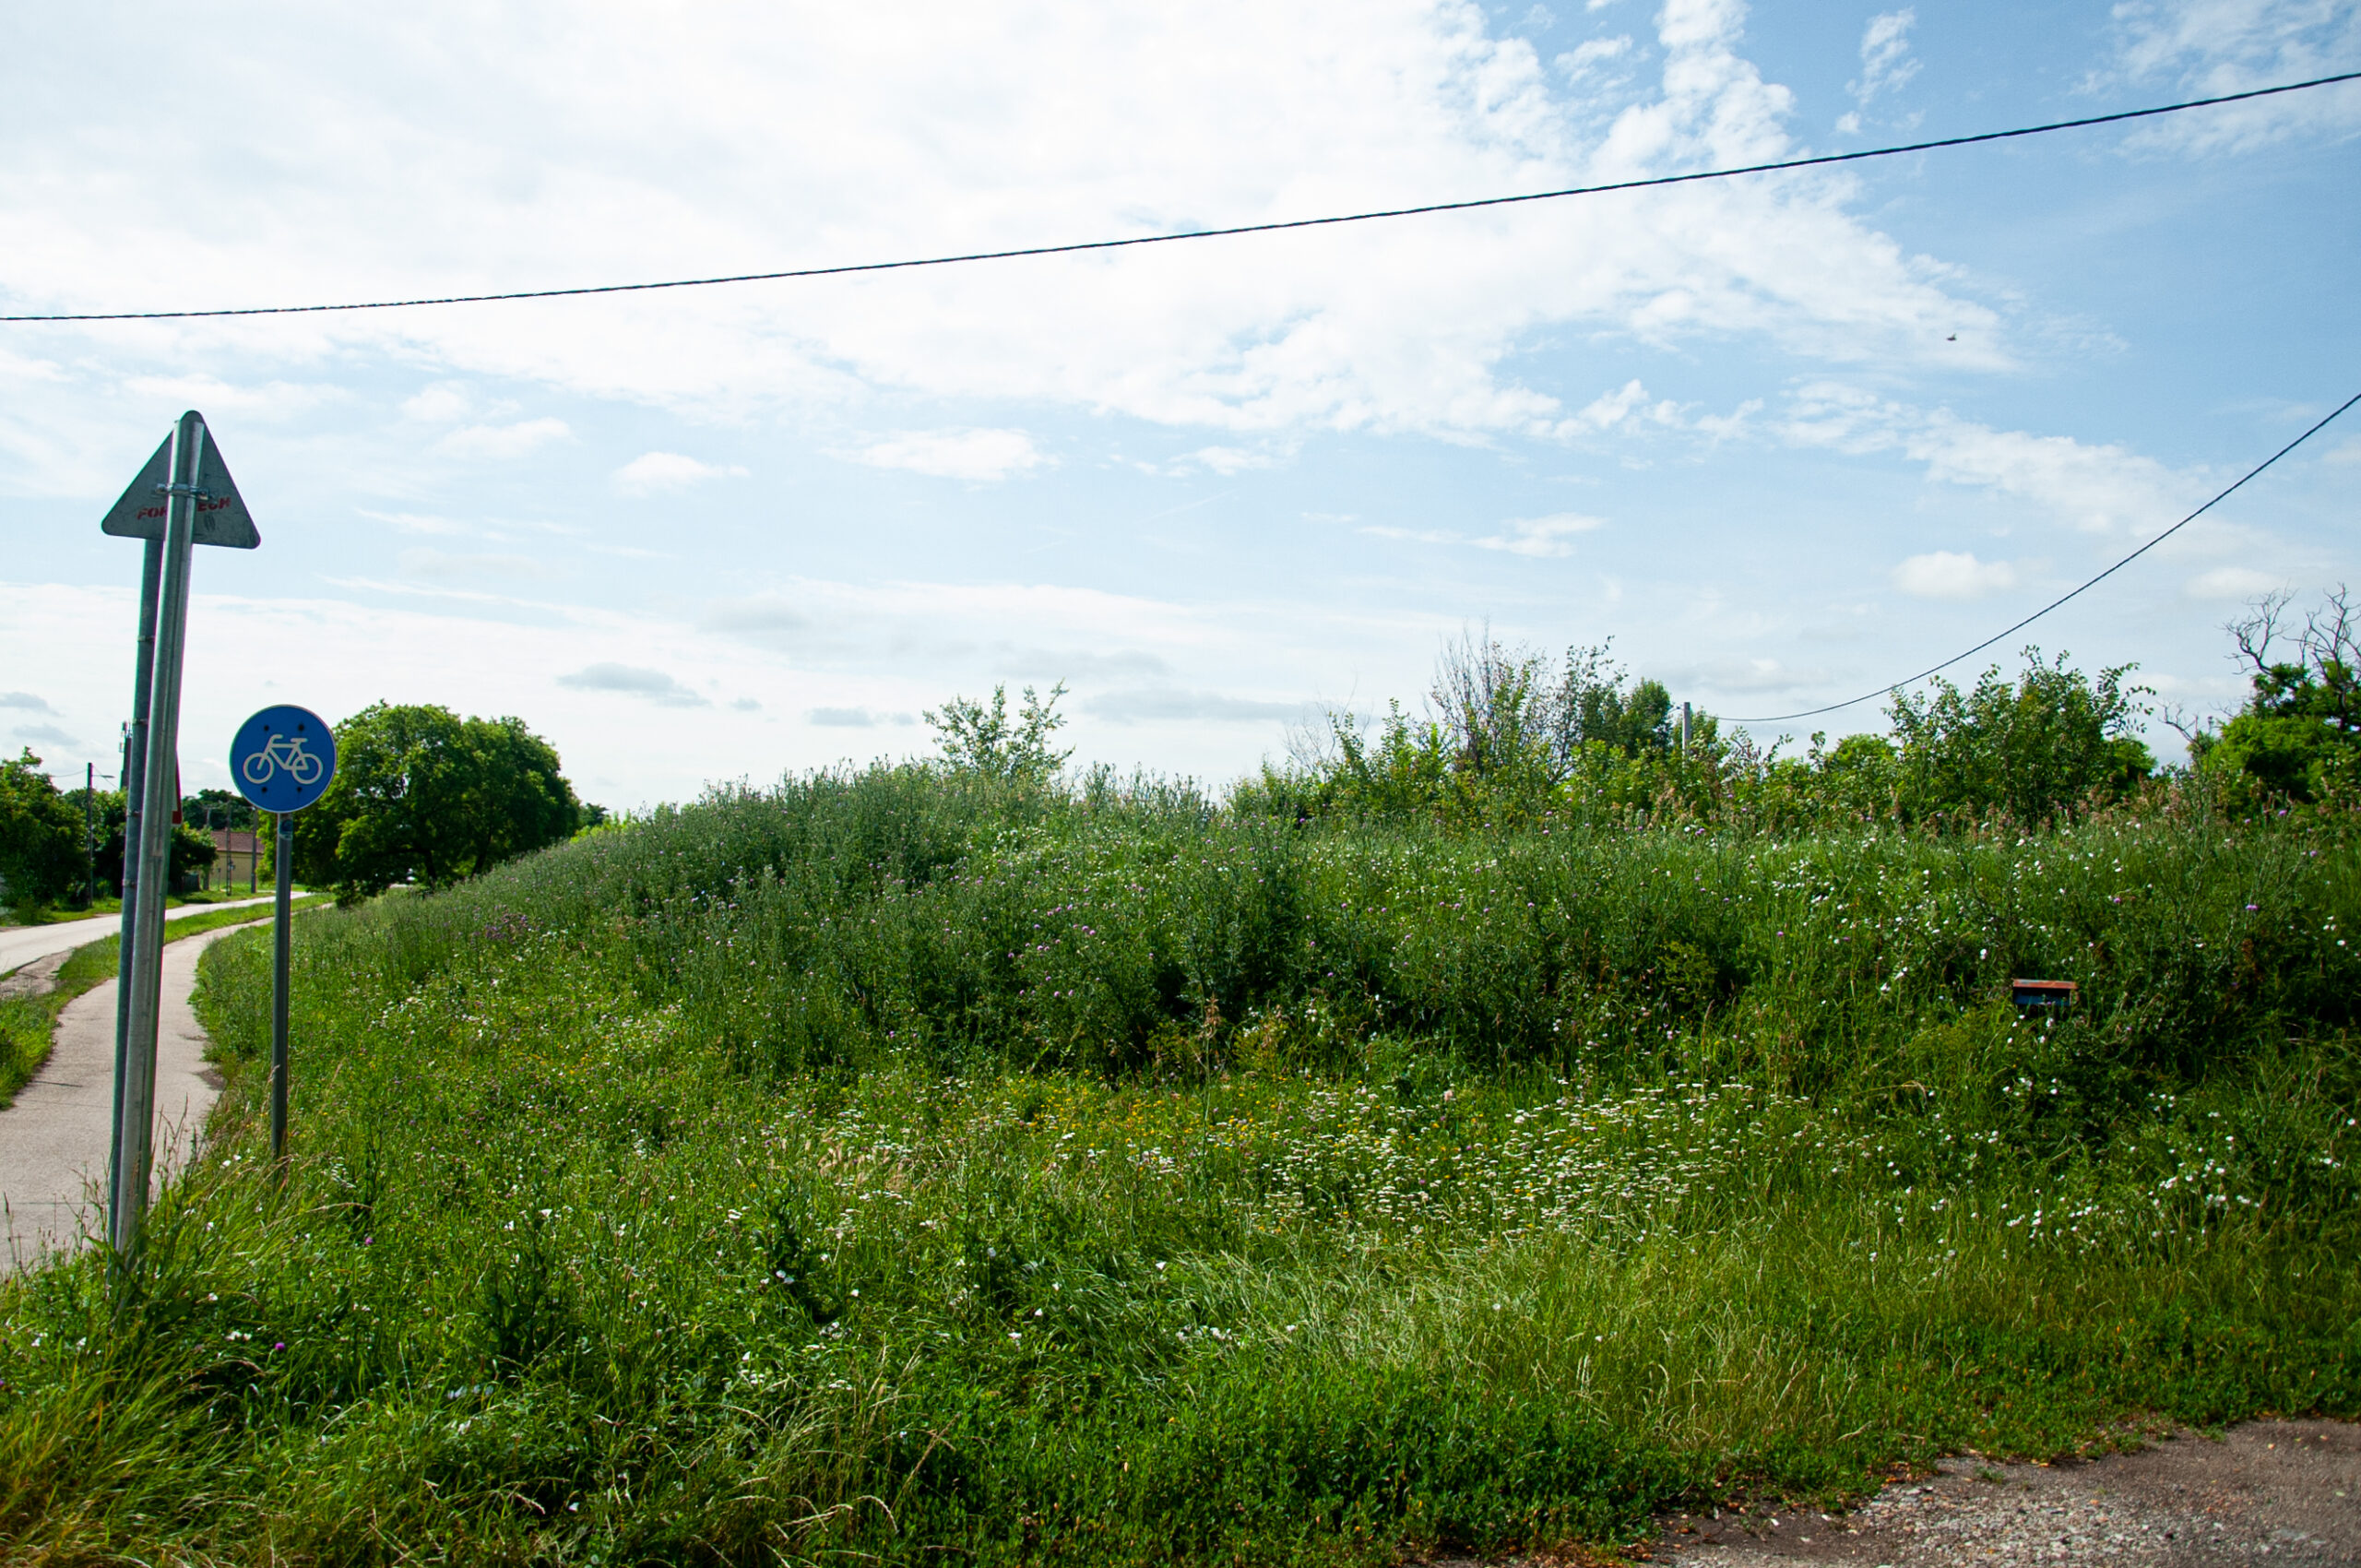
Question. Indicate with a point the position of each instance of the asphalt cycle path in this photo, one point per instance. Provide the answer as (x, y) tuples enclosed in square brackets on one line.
[(53, 1140), (21, 944)]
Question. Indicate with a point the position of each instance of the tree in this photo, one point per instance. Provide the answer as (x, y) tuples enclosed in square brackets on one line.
[(985, 742), (41, 833), (2299, 734), (220, 808), (1508, 717), (2032, 747), (423, 796)]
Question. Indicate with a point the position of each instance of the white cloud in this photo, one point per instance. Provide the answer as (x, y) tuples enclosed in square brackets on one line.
[(417, 522), (856, 718), (1586, 58), (1620, 406), (1228, 460), (2232, 583), (1945, 575), (1886, 62), (2101, 489), (1150, 704), (653, 471), (1520, 536), (2212, 47), (443, 403), (818, 133), (495, 566), (973, 455), (1541, 536), (26, 700), (268, 400), (503, 443), (631, 680)]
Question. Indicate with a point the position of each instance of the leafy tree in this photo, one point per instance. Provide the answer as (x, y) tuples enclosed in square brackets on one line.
[(2032, 747), (985, 742), (41, 833), (422, 795), (1508, 716), (220, 808), (1506, 735), (2299, 734)]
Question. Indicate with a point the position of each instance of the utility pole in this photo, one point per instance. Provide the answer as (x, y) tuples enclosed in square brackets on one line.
[(89, 843)]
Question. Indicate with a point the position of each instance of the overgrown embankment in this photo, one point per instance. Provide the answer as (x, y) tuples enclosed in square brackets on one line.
[(894, 1166)]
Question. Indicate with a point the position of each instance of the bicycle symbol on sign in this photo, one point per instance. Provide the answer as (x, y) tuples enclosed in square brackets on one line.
[(281, 750)]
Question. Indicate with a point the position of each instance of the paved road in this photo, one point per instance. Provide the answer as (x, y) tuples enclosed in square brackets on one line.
[(54, 1139), (23, 944)]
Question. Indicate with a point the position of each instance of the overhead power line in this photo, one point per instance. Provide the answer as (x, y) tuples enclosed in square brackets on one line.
[(1979, 647), (1081, 246)]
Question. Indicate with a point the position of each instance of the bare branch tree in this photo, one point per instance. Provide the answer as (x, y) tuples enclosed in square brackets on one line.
[(2256, 631), (2333, 642)]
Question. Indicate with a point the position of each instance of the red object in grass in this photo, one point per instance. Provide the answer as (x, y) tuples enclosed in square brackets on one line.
[(2042, 993)]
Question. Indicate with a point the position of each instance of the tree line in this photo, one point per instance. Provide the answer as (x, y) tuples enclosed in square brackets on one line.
[(1509, 734), (421, 796), (1506, 735)]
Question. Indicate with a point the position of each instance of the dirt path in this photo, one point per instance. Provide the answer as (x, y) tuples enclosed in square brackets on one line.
[(54, 1139), (2269, 1491)]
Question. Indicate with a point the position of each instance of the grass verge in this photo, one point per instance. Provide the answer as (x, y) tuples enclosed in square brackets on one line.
[(27, 1023)]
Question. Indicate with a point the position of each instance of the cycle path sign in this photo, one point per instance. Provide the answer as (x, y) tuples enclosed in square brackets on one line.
[(283, 757)]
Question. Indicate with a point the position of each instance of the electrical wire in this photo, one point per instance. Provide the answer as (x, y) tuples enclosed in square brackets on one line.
[(1078, 247), (1979, 647)]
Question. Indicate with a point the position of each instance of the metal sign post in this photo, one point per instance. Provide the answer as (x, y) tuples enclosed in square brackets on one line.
[(283, 860), (134, 788), (282, 760), (184, 497)]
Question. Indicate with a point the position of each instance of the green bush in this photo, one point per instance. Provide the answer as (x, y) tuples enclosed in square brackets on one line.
[(40, 834)]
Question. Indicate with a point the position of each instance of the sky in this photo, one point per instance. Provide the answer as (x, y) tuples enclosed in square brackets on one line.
[(1782, 438)]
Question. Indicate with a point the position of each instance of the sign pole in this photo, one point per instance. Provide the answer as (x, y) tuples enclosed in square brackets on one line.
[(283, 862), (135, 1125), (183, 497), (282, 759), (135, 789)]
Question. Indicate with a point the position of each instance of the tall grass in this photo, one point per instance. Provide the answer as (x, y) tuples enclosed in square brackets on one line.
[(890, 1166)]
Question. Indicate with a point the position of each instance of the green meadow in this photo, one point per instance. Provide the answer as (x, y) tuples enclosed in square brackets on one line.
[(900, 1165)]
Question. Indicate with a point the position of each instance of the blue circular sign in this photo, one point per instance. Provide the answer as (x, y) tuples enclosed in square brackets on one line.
[(283, 758)]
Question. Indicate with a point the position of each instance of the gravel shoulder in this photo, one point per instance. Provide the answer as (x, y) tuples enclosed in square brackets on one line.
[(2266, 1491)]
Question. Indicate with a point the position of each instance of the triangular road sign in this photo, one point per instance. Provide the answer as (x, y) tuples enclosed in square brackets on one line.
[(140, 513), (221, 514)]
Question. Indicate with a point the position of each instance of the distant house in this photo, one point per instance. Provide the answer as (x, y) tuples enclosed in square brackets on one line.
[(237, 861)]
